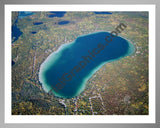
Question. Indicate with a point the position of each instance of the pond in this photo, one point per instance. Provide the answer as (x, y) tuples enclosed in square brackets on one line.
[(102, 12), (16, 32), (37, 23), (33, 32), (63, 22), (23, 14), (56, 14)]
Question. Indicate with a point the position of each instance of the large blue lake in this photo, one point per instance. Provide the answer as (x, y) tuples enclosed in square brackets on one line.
[(66, 71)]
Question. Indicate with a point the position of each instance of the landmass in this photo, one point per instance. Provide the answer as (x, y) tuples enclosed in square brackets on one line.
[(118, 88)]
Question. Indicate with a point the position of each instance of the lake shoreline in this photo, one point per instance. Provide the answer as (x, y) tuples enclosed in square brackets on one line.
[(54, 57)]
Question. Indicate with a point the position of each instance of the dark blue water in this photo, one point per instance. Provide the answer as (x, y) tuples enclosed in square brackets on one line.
[(66, 71), (34, 32), (23, 14), (13, 62), (102, 12), (16, 33), (56, 14), (63, 22), (37, 23)]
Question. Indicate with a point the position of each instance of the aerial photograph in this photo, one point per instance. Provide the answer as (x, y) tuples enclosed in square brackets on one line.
[(80, 63)]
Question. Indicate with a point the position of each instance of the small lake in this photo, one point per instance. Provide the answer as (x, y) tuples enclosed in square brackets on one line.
[(63, 22), (13, 62), (66, 71), (56, 14), (16, 32), (23, 14), (37, 23), (33, 32), (102, 12)]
